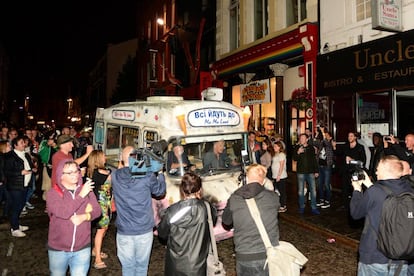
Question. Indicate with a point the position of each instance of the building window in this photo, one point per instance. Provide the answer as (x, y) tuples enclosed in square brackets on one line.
[(363, 9), (295, 11), (234, 24), (260, 18)]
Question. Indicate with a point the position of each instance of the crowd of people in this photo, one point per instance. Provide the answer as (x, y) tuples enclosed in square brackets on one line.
[(81, 193)]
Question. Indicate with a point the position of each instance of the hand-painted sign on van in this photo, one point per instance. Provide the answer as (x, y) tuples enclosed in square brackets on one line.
[(213, 117)]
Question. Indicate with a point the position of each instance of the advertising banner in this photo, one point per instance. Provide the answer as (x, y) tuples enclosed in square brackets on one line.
[(256, 92)]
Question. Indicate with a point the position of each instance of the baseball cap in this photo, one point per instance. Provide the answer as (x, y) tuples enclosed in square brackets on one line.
[(64, 138)]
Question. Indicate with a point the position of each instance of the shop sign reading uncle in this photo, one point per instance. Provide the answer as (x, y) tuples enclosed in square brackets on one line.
[(213, 117), (256, 92)]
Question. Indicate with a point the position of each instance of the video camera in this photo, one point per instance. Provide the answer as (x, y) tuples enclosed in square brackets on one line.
[(147, 160)]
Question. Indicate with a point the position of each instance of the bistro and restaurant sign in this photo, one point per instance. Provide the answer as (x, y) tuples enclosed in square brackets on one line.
[(376, 65)]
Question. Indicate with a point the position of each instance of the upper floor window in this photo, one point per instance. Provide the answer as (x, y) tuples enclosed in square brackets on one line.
[(234, 24), (363, 9), (295, 11), (260, 18)]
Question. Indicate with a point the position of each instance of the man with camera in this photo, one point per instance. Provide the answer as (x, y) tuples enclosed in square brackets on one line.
[(355, 159), (135, 218), (369, 205), (392, 147)]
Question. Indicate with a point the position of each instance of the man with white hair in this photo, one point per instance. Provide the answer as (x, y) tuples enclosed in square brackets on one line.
[(392, 147)]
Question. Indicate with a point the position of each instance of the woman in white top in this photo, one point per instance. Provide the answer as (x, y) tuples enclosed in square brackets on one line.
[(279, 173)]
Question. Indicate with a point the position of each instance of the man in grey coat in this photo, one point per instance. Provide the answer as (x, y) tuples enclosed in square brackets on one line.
[(250, 251)]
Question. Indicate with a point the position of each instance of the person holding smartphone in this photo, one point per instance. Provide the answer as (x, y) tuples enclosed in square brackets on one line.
[(71, 207)]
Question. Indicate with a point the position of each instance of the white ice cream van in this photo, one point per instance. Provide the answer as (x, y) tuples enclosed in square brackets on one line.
[(195, 125)]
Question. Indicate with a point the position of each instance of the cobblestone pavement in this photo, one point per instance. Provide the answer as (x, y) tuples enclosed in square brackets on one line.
[(28, 256)]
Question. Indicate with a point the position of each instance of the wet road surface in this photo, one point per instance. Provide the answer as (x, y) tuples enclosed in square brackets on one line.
[(309, 233)]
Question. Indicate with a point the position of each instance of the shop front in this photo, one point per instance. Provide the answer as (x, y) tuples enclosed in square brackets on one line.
[(368, 88), (264, 76)]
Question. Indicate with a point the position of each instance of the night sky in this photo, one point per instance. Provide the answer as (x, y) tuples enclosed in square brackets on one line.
[(60, 40)]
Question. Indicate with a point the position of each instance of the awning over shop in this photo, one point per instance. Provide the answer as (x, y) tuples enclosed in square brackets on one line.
[(275, 50)]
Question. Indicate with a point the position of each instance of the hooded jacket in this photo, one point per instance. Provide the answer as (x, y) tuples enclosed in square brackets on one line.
[(185, 226), (369, 205), (247, 240), (61, 205), (133, 200)]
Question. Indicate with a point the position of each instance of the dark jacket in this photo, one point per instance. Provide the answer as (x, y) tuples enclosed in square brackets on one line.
[(185, 226), (369, 205), (401, 152), (356, 153), (247, 240), (376, 154), (306, 161), (133, 200), (13, 167), (2, 173)]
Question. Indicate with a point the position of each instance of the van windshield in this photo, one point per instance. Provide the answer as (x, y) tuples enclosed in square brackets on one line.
[(214, 157)]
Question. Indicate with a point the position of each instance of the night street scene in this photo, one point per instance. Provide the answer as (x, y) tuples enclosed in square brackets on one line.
[(132, 130)]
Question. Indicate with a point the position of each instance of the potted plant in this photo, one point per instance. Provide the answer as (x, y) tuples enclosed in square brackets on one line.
[(301, 98)]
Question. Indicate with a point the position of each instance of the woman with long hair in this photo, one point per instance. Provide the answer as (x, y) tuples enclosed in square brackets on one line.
[(100, 175), (266, 158), (268, 153), (279, 173)]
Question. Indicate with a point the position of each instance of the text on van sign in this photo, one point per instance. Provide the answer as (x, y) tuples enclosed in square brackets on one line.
[(213, 117), (126, 115)]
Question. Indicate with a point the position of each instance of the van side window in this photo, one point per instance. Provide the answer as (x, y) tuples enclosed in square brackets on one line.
[(130, 137), (150, 137), (112, 138), (99, 133)]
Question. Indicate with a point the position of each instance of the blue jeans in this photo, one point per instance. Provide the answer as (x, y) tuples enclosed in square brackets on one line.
[(248, 268), (310, 179), (380, 269), (16, 204), (78, 262), (134, 253), (31, 189), (325, 173)]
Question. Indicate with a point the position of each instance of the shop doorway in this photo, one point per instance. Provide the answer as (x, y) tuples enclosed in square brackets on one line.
[(405, 113)]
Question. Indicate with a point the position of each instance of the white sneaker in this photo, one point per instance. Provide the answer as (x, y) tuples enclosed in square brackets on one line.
[(17, 233), (29, 206), (23, 228), (24, 212)]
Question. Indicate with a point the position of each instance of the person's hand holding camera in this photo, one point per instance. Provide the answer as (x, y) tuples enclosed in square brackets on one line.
[(357, 184), (389, 139), (367, 181)]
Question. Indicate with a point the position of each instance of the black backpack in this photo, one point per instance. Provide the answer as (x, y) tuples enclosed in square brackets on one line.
[(396, 228)]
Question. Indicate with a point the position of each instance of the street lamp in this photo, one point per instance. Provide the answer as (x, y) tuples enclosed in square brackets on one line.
[(160, 21)]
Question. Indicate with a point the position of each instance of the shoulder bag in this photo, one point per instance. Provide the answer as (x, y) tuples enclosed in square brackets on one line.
[(214, 266), (283, 259)]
